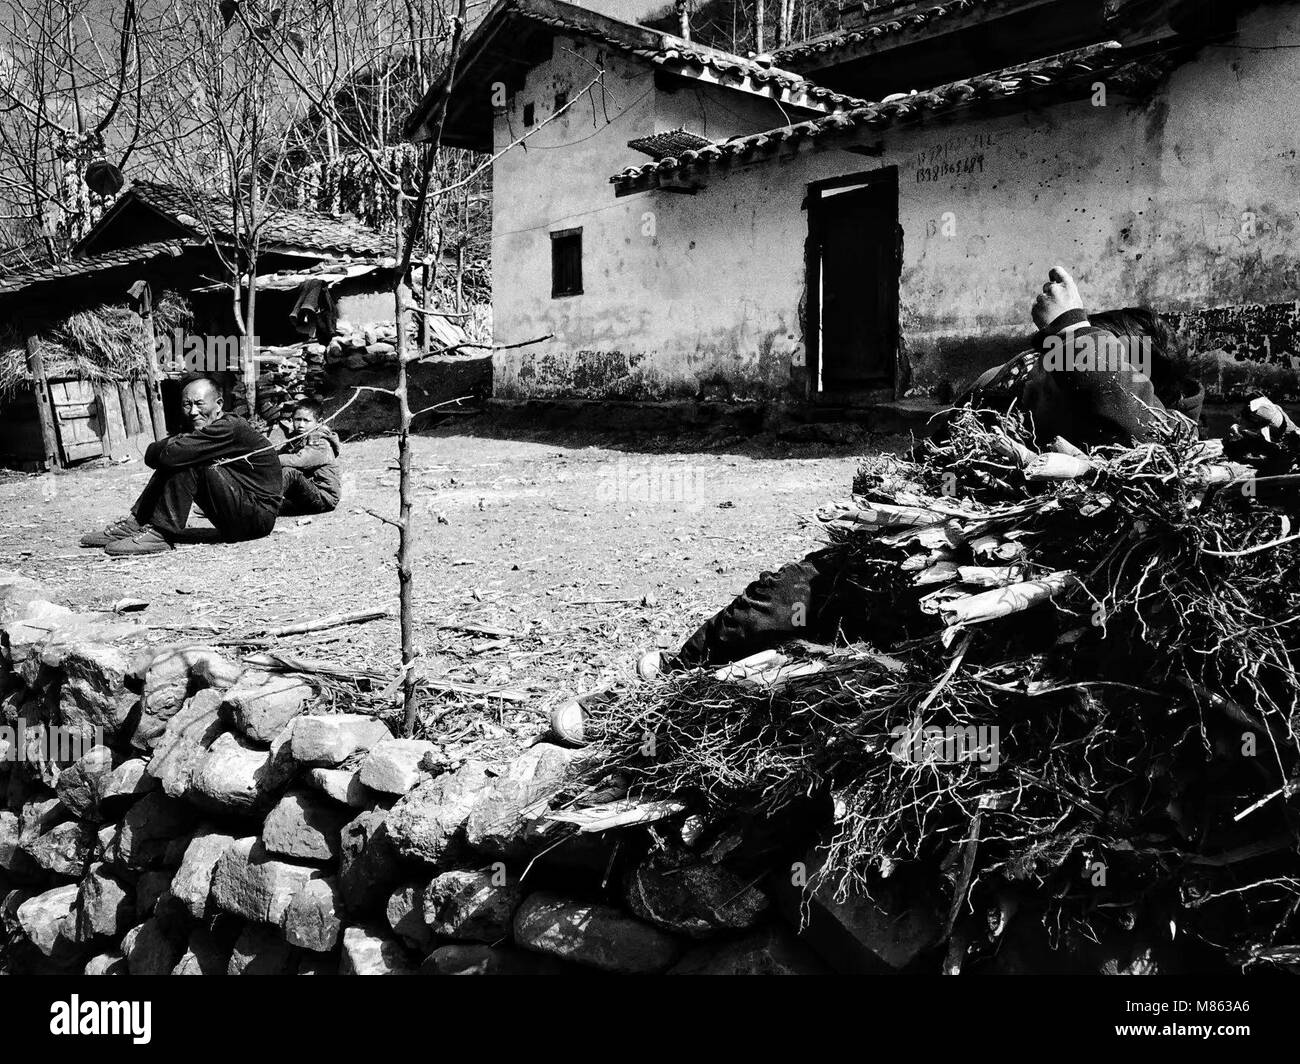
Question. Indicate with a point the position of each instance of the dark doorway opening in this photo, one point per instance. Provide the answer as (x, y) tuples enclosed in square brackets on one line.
[(854, 256)]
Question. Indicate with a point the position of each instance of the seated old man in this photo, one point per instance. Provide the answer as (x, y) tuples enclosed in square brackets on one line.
[(222, 464)]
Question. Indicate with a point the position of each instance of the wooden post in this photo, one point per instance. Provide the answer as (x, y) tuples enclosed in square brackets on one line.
[(44, 406), (152, 371)]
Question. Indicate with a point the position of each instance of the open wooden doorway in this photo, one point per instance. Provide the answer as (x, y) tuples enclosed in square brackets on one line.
[(854, 258)]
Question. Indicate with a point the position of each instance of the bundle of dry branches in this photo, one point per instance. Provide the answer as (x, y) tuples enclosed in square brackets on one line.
[(1082, 695)]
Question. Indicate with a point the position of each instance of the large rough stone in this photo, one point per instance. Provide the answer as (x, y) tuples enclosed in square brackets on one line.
[(368, 951), (112, 963), (261, 950), (772, 951), (173, 676), (80, 785), (106, 907), (425, 822), (97, 692), (261, 704), (598, 936), (149, 826), (23, 635), (125, 784), (17, 592), (151, 949), (393, 766), (478, 959), (330, 739), (252, 884), (178, 752), (370, 865), (343, 786), (65, 849), (891, 930), (192, 883), (236, 777), (304, 826), (151, 886), (10, 836), (203, 955), (405, 912), (688, 896), (38, 816), (472, 906), (47, 920), (498, 823), (314, 916)]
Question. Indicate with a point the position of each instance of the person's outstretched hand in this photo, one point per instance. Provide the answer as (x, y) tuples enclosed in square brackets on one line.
[(1058, 295)]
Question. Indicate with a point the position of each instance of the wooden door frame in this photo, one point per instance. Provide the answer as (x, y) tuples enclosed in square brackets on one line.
[(883, 175)]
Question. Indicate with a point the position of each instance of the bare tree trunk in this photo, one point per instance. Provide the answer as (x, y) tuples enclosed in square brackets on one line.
[(784, 26), (405, 527), (683, 19), (758, 26), (250, 334)]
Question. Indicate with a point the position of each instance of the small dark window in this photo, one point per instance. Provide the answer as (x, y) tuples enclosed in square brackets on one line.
[(529, 114), (561, 98), (566, 263)]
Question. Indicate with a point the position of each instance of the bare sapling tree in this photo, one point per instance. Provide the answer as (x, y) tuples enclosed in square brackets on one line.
[(72, 112), (376, 56), (228, 152)]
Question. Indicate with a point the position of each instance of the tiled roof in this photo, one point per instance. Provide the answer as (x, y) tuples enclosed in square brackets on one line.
[(686, 58), (21, 280), (832, 42), (294, 230), (664, 50), (673, 142), (1122, 69)]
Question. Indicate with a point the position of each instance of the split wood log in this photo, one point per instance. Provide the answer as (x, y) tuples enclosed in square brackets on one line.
[(622, 813), (992, 605), (1013, 449), (938, 573), (880, 515), (1063, 446), (917, 562), (990, 575), (1054, 466)]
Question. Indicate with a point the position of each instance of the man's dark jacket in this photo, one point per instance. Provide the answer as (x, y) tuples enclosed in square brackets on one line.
[(255, 467)]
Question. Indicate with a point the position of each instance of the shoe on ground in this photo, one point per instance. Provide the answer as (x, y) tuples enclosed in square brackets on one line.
[(128, 526), (147, 541)]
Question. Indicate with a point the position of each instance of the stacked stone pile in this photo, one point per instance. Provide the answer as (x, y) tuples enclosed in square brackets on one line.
[(294, 371), (168, 810)]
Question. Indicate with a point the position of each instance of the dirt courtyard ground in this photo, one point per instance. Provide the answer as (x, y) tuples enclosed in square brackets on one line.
[(583, 548)]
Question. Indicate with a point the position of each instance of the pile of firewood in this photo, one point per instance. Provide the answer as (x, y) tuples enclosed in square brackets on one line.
[(1071, 699)]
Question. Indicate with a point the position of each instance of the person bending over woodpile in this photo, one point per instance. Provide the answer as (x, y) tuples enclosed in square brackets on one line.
[(309, 459), (221, 464), (1090, 379)]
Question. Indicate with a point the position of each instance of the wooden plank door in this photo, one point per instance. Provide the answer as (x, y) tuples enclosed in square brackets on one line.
[(77, 419), (857, 244)]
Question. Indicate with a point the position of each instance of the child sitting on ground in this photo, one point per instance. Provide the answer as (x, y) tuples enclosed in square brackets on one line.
[(309, 463)]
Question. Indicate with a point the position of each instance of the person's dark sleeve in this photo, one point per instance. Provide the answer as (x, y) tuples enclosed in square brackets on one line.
[(313, 454), (210, 444)]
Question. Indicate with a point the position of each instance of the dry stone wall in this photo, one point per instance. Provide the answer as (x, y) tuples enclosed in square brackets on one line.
[(164, 809)]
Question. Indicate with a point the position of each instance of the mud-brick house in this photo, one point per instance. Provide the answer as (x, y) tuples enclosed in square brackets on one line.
[(868, 215), (77, 380)]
